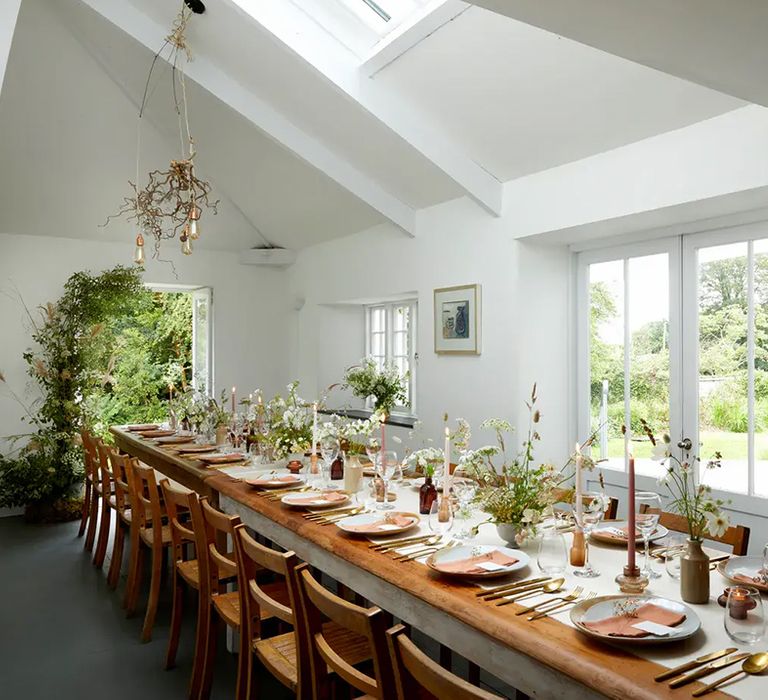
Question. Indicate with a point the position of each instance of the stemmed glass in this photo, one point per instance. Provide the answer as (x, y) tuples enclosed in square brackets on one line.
[(386, 464), (372, 449), (592, 511), (647, 511), (329, 449)]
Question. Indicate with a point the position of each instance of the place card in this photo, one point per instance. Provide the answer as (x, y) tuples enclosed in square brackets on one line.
[(388, 526), (654, 628), (491, 566)]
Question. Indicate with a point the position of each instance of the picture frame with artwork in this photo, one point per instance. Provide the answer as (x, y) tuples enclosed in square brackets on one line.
[(457, 318)]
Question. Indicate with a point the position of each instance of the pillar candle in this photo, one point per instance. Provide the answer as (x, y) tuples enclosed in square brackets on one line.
[(447, 466), (632, 518)]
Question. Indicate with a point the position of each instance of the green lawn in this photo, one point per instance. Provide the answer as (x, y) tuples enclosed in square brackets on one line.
[(730, 445)]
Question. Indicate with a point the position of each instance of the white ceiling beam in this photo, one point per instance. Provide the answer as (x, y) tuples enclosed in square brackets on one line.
[(716, 44), (290, 26), (263, 116), (9, 13), (405, 37)]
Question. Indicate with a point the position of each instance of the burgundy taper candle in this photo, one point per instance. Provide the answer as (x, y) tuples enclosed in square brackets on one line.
[(632, 519)]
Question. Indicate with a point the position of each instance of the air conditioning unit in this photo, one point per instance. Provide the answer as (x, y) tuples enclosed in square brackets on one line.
[(273, 257)]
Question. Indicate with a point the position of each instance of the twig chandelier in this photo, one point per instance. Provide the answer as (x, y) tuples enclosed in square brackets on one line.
[(172, 202)]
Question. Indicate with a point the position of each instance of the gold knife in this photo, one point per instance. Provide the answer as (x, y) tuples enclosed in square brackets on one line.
[(715, 666), (684, 668), (516, 584)]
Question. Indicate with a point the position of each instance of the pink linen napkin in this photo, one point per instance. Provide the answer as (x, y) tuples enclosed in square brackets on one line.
[(380, 525), (623, 536), (470, 565), (223, 459), (327, 497), (286, 478), (622, 625)]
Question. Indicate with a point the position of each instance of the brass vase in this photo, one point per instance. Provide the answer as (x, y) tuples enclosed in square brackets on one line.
[(694, 574)]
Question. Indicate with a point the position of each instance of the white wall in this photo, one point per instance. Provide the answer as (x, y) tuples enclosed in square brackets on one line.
[(525, 304), (251, 308)]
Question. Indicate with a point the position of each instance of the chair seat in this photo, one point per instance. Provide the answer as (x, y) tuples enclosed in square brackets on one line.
[(190, 572), (278, 653), (147, 534), (228, 604)]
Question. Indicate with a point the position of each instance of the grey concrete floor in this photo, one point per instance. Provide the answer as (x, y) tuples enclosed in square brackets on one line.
[(64, 635)]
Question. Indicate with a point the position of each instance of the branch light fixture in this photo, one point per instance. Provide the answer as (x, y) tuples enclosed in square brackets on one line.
[(172, 201)]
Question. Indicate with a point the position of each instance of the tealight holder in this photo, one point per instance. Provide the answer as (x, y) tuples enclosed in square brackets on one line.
[(632, 581)]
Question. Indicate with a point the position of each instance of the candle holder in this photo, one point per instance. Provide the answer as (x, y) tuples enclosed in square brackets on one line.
[(632, 581)]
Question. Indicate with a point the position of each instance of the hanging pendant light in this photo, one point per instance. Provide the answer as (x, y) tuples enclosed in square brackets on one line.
[(194, 229), (186, 244)]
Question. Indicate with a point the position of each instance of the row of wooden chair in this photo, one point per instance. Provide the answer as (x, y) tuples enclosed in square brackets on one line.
[(331, 640)]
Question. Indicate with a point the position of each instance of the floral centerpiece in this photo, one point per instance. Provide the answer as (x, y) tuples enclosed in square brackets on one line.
[(429, 460), (349, 432), (694, 502), (518, 494), (290, 420), (385, 385)]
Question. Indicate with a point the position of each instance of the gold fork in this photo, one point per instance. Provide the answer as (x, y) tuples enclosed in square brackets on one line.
[(575, 593), (342, 516), (277, 495), (544, 613), (423, 540), (328, 513), (423, 552)]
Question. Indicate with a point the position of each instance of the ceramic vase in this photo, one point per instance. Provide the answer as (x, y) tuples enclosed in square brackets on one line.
[(694, 574), (508, 532), (222, 433)]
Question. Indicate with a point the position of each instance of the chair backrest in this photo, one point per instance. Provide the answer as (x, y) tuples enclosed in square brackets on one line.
[(179, 505), (568, 496), (104, 464), (370, 623), (737, 536), (146, 507), (89, 455), (120, 476), (212, 532), (418, 676)]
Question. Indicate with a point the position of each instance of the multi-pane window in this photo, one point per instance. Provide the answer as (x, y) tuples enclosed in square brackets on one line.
[(391, 340), (675, 332)]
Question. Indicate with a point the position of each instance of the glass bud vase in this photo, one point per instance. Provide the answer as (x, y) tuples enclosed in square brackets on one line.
[(427, 496), (694, 574)]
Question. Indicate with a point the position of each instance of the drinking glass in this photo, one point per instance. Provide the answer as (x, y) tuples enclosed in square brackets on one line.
[(465, 490), (553, 552), (436, 525), (672, 556), (385, 464), (592, 512), (647, 511), (329, 449), (744, 615)]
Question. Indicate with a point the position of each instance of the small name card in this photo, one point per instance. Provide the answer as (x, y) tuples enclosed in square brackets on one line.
[(654, 628), (491, 566), (388, 526)]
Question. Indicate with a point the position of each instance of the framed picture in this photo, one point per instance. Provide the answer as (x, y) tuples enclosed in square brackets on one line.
[(457, 320)]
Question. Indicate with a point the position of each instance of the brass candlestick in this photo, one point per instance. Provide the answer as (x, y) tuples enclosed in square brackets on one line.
[(444, 510), (632, 581), (578, 554)]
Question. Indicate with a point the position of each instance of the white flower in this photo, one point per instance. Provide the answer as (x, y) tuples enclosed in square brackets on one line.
[(397, 440), (530, 515), (664, 479), (660, 452), (497, 424), (717, 523)]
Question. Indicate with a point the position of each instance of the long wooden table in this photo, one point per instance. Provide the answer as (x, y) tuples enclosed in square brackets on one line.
[(545, 659)]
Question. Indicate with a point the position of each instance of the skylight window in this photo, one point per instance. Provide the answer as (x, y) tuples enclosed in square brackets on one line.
[(383, 15)]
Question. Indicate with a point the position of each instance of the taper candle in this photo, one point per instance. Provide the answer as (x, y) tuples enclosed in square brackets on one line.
[(314, 427), (447, 465), (578, 498), (234, 391), (632, 520)]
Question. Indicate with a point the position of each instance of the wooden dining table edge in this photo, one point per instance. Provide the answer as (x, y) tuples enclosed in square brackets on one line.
[(563, 649)]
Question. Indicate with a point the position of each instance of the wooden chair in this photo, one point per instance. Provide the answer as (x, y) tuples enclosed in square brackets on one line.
[(567, 496), (737, 536), (105, 490), (370, 623), (90, 511), (417, 676), (147, 530), (119, 501), (286, 656)]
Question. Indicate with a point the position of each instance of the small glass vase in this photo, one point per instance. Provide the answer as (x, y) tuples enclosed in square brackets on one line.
[(694, 574)]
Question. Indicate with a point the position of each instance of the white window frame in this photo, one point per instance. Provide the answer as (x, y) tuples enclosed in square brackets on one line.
[(683, 342), (390, 308)]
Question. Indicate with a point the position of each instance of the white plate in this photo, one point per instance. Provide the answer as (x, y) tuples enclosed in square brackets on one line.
[(273, 481), (445, 556), (658, 534), (368, 518), (746, 566), (600, 608), (295, 499)]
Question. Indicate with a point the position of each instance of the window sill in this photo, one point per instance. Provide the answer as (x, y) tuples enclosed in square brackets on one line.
[(400, 420)]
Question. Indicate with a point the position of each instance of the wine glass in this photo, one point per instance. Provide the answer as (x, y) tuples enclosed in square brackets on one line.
[(647, 511), (744, 615), (673, 554), (441, 516), (588, 517), (329, 449), (553, 552), (385, 464)]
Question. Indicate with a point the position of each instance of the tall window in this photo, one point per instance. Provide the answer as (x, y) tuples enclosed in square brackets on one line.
[(391, 340), (675, 332)]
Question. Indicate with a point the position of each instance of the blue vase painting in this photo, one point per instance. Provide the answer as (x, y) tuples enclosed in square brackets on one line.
[(456, 319)]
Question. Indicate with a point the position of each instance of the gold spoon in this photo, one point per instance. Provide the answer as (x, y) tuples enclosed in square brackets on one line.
[(753, 665), (518, 593)]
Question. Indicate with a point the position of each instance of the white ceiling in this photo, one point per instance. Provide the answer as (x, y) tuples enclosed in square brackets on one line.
[(522, 100)]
